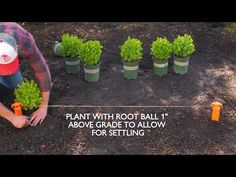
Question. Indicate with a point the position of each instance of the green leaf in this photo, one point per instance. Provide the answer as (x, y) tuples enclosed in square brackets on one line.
[(91, 52), (183, 46), (131, 50), (70, 46), (161, 49), (28, 94)]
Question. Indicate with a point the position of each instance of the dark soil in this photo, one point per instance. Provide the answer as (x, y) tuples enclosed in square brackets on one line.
[(211, 77)]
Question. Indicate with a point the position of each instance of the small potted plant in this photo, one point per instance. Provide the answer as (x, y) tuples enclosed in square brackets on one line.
[(70, 50), (90, 55), (183, 48), (131, 54), (28, 95), (161, 50)]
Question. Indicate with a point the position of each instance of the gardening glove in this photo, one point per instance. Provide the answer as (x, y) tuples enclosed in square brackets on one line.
[(38, 116), (20, 121)]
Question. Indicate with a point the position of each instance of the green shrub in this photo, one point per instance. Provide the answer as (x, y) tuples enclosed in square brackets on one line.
[(28, 94), (70, 46), (183, 46), (91, 52), (161, 49), (229, 26), (131, 50)]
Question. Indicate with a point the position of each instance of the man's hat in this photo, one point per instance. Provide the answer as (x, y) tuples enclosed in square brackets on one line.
[(9, 61)]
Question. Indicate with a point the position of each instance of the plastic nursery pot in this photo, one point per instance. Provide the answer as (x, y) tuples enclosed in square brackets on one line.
[(131, 70), (72, 65), (160, 67), (57, 49), (181, 65), (91, 73)]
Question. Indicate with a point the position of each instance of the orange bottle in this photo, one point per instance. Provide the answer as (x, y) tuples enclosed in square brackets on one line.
[(216, 106), (17, 108)]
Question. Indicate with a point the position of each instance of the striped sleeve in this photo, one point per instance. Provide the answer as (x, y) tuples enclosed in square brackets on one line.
[(39, 65)]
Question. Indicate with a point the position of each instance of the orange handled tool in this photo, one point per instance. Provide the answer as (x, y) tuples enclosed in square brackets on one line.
[(17, 108), (216, 106)]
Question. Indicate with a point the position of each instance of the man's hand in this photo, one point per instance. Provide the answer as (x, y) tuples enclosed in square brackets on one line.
[(20, 121), (38, 116)]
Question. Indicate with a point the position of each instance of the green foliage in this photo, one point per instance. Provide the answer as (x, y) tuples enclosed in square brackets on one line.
[(183, 46), (131, 50), (91, 52), (230, 27), (70, 46), (161, 49), (28, 94)]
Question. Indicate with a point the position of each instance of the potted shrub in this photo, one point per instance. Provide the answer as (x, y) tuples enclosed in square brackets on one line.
[(28, 95), (183, 48), (90, 55), (70, 49), (131, 54), (161, 50)]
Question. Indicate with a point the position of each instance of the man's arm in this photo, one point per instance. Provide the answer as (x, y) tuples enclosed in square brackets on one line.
[(28, 49), (17, 121), (42, 73), (45, 100)]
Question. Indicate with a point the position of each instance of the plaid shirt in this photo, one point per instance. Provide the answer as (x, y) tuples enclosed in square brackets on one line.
[(28, 49)]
